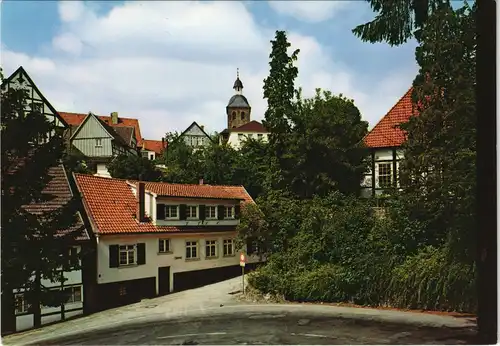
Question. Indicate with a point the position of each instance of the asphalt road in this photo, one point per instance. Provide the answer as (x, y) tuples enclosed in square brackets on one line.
[(276, 325), (214, 315)]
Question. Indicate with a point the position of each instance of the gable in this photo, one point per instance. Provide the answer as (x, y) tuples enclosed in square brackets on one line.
[(21, 80), (195, 130), (387, 132), (91, 128)]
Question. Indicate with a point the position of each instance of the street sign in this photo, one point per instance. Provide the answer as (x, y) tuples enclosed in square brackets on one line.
[(243, 259)]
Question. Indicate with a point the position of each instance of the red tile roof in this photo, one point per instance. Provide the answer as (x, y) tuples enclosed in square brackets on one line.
[(387, 132), (75, 119), (56, 194), (156, 146), (111, 204), (252, 126)]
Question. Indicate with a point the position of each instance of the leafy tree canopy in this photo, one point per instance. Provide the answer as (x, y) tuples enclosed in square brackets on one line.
[(133, 167)]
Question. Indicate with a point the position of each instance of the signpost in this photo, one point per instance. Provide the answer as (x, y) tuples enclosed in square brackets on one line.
[(243, 261)]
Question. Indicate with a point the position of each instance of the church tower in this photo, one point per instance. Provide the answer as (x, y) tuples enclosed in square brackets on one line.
[(238, 109)]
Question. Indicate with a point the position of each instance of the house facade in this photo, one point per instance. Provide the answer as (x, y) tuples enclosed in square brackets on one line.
[(20, 79), (152, 149), (101, 142), (236, 137), (156, 238), (195, 136), (384, 144), (58, 191)]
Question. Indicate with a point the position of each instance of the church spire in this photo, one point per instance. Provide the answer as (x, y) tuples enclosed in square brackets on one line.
[(238, 85)]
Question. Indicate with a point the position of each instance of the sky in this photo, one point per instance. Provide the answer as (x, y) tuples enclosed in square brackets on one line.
[(171, 63)]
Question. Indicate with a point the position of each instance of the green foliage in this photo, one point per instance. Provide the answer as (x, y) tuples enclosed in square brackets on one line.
[(31, 251), (397, 20), (133, 167)]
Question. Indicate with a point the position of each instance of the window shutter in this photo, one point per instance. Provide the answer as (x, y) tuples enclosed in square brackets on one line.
[(182, 212), (114, 256), (202, 212), (141, 253), (237, 211), (160, 212), (220, 212)]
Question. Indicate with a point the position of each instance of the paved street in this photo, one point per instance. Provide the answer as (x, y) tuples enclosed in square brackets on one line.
[(211, 315)]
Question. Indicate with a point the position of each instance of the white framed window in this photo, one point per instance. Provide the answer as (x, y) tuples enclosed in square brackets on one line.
[(74, 294), (229, 212), (164, 246), (191, 249), (128, 254), (98, 142), (171, 211), (210, 248), (21, 304), (192, 212), (145, 154), (210, 212), (228, 247), (385, 174)]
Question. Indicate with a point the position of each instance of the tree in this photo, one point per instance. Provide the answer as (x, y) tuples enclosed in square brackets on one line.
[(279, 90), (325, 150), (219, 164), (133, 167), (438, 172), (183, 164), (397, 20), (32, 246), (252, 166)]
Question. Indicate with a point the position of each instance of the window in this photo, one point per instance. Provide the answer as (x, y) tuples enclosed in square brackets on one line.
[(152, 156), (211, 248), (253, 248), (234, 115), (242, 115), (259, 136), (145, 154), (127, 254), (171, 211), (229, 212), (164, 246), (74, 294), (384, 174), (210, 212), (192, 212), (228, 247), (191, 249), (98, 142), (21, 304)]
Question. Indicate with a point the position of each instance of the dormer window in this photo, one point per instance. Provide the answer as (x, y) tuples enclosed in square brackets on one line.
[(229, 212), (210, 212), (191, 212), (171, 212)]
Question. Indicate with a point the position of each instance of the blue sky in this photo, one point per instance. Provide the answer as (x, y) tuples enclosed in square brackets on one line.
[(170, 63)]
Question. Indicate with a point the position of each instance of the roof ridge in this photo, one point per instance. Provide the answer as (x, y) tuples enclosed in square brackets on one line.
[(97, 115)]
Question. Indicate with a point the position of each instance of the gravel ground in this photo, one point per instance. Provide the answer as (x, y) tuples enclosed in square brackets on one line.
[(216, 314)]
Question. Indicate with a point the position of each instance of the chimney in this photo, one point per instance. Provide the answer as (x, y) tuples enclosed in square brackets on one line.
[(140, 195), (114, 118), (163, 143), (202, 127), (201, 181)]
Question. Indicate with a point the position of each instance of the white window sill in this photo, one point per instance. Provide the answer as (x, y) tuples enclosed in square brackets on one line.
[(127, 265), (229, 255), (211, 257), (165, 253), (172, 219), (192, 219), (192, 259), (229, 218)]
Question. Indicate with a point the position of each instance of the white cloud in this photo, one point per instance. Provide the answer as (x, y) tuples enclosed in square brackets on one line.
[(309, 11), (171, 63)]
